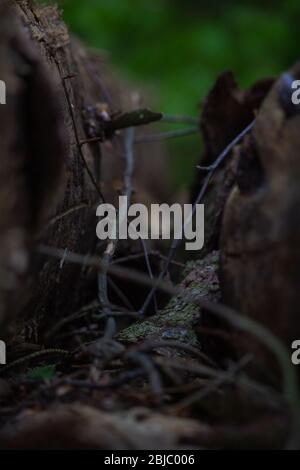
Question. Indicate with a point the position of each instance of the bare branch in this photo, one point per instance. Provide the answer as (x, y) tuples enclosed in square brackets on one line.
[(180, 119), (135, 118), (70, 106), (238, 321), (112, 244), (175, 244), (166, 135)]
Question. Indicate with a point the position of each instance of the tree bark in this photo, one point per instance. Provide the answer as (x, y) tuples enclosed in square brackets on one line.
[(58, 94)]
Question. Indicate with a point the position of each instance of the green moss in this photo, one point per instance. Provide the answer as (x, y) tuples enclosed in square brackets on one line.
[(211, 260), (177, 319), (138, 331)]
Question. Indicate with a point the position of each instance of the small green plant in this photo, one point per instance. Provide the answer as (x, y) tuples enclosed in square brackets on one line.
[(42, 372)]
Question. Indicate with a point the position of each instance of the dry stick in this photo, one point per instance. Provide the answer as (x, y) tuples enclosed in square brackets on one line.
[(166, 135), (110, 329), (148, 265), (74, 316), (120, 294), (123, 378), (260, 332), (154, 378), (247, 325), (175, 244), (113, 383), (223, 378), (92, 140), (179, 119), (70, 106), (129, 159), (138, 117), (200, 370), (174, 344), (125, 259), (120, 313), (205, 371), (111, 247), (127, 191), (149, 117), (64, 214), (78, 333)]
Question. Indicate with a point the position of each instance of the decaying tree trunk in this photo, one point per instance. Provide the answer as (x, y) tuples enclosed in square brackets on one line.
[(58, 95), (252, 204), (225, 112), (261, 229)]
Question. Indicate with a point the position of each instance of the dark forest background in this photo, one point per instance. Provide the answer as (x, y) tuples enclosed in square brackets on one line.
[(174, 49)]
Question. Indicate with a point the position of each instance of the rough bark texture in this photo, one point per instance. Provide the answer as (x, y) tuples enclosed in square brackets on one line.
[(260, 233), (225, 112), (50, 185)]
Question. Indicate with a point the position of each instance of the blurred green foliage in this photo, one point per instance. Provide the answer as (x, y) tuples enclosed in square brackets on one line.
[(42, 372), (176, 48)]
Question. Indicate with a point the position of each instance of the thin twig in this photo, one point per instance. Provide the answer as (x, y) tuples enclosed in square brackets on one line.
[(127, 191), (228, 376), (74, 316), (113, 383), (70, 106), (69, 211), (115, 313), (125, 259), (166, 135), (179, 119), (120, 294), (175, 244), (148, 265), (112, 244), (110, 329), (153, 375), (92, 140), (138, 117), (151, 345), (242, 323), (229, 147)]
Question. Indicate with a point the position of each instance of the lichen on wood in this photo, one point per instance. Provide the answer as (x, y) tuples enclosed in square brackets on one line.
[(177, 319)]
